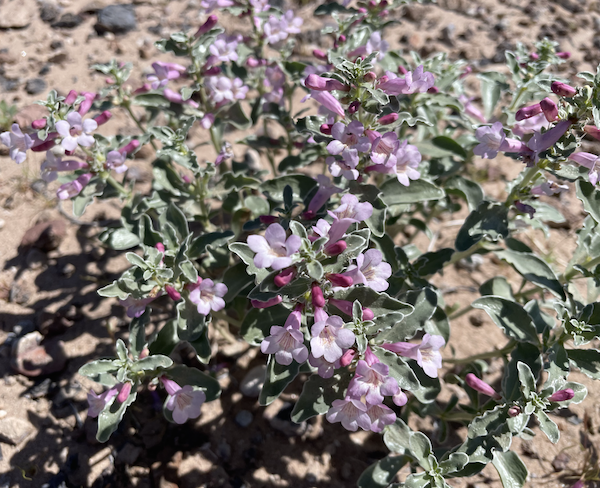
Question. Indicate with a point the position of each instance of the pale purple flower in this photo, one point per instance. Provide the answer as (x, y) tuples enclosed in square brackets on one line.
[(346, 166), (590, 161), (325, 369), (225, 153), (383, 149), (76, 132), (287, 342), (176, 97), (372, 382), (222, 89), (349, 212), (17, 143), (400, 398), (549, 188), (417, 81), (260, 5), (348, 137), (426, 354), (329, 339), (408, 158), (321, 229), (97, 403), (530, 125), (210, 5), (380, 416), (492, 140), (223, 49), (163, 72), (541, 142), (375, 43), (278, 29), (370, 270), (471, 110), (116, 160), (275, 80), (183, 402), (274, 250), (207, 121), (136, 306), (328, 101), (207, 296), (324, 192), (73, 188), (54, 163), (352, 413)]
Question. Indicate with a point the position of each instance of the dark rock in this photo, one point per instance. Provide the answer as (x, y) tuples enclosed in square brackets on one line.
[(56, 44), (252, 383), (39, 390), (8, 84), (39, 186), (45, 236), (35, 86), (45, 70), (559, 463), (49, 12), (58, 58), (244, 418), (117, 19), (68, 270), (32, 359), (68, 21)]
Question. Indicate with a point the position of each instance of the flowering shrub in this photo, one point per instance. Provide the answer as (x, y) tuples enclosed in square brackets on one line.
[(311, 263)]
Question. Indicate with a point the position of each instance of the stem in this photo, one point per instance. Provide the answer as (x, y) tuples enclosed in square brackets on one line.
[(527, 177), (230, 320), (570, 272), (513, 105), (127, 106), (461, 312), (457, 256), (484, 355), (117, 186)]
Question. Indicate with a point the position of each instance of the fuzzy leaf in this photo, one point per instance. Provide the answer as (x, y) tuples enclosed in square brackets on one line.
[(510, 317), (586, 360), (513, 472), (395, 193), (258, 322), (318, 394), (277, 379), (489, 220)]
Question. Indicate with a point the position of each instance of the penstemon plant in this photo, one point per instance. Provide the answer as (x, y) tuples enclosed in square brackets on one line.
[(313, 261)]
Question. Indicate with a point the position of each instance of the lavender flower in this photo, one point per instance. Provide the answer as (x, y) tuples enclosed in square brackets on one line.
[(370, 270), (408, 158), (530, 125), (348, 137), (223, 49), (136, 307), (372, 382), (383, 149), (76, 132), (115, 160), (549, 188), (590, 161), (97, 403), (210, 5), (324, 192), (222, 89), (269, 303), (325, 369), (375, 43), (380, 416), (274, 250), (426, 354), (352, 413), (73, 188), (163, 72), (184, 402), (54, 163), (541, 142), (471, 110), (328, 101), (329, 339), (275, 80), (278, 29), (207, 296), (417, 81), (287, 342), (346, 166), (492, 139), (17, 143)]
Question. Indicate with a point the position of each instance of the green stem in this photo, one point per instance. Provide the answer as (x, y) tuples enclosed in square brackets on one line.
[(117, 186), (484, 355), (457, 256), (515, 101), (460, 313), (230, 320), (127, 106), (570, 272), (529, 175)]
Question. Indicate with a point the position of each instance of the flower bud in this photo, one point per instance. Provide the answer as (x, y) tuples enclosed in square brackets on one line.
[(208, 25), (252, 62), (269, 303), (353, 108), (317, 296), (562, 89), (142, 89), (268, 219), (347, 357), (336, 248), (160, 247), (564, 54), (212, 71), (145, 353), (309, 215), (85, 106), (317, 53), (514, 411), (433, 90), (370, 77), (342, 38), (38, 124), (337, 279), (43, 147), (562, 395), (71, 97), (124, 393), (388, 119), (466, 72), (285, 277), (550, 109), (384, 79), (173, 293), (319, 83), (367, 314), (528, 112), (103, 118), (130, 147), (534, 56), (402, 70), (481, 386), (325, 129), (593, 131)]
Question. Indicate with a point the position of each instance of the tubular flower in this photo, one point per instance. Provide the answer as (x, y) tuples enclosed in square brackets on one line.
[(426, 354), (17, 143), (352, 413), (274, 250), (330, 338), (183, 402), (492, 140), (76, 132), (370, 270), (98, 402), (287, 342), (207, 296), (590, 161), (372, 382)]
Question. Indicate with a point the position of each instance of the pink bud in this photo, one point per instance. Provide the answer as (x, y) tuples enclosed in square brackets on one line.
[(388, 119), (562, 395), (109, 81), (317, 296), (372, 4), (564, 55), (367, 314), (534, 56), (514, 411), (562, 89), (319, 83), (317, 53), (325, 129), (528, 112), (342, 38), (337, 279), (347, 357), (38, 124), (124, 393), (142, 89), (268, 219), (593, 131), (129, 148), (370, 77), (269, 303), (173, 293), (285, 277), (85, 106), (252, 62), (336, 248), (433, 90), (309, 215), (208, 25), (145, 353), (384, 79), (362, 10), (160, 246), (212, 71), (71, 97), (402, 70), (481, 386), (466, 72), (550, 109), (43, 146), (353, 108), (103, 118)]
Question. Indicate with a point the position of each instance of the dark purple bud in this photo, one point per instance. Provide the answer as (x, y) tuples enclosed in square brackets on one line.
[(562, 395), (347, 357), (43, 146), (388, 119), (173, 293), (317, 53), (481, 386), (285, 277), (528, 112), (336, 248), (208, 25), (524, 208), (402, 70), (325, 129), (337, 279), (129, 148), (309, 215), (71, 97), (562, 89), (103, 118), (550, 109), (269, 303), (433, 90), (38, 124), (342, 38), (514, 411), (353, 108), (268, 219), (124, 393), (142, 89), (212, 71), (564, 55), (317, 296)]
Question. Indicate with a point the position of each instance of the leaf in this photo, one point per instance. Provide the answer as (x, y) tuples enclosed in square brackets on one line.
[(184, 375), (492, 84), (424, 302), (211, 240), (396, 437), (381, 473), (528, 381), (511, 469), (510, 317), (150, 363), (450, 145), (432, 262), (190, 323), (527, 354), (119, 239), (236, 279), (586, 360), (177, 219), (137, 333), (547, 426), (318, 394), (498, 286), (94, 188), (395, 193), (258, 322), (533, 269), (315, 270), (590, 197), (489, 220), (154, 100), (301, 185), (277, 378), (470, 190), (110, 418), (455, 462), (165, 340), (245, 253), (420, 448), (101, 371), (236, 116)]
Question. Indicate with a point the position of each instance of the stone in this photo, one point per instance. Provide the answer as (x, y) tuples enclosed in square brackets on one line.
[(118, 19), (49, 11), (32, 359), (253, 382), (560, 462), (244, 418), (29, 113), (58, 58), (68, 270), (18, 293), (14, 14), (45, 236), (13, 431), (68, 21), (283, 422), (56, 44), (35, 86), (39, 186)]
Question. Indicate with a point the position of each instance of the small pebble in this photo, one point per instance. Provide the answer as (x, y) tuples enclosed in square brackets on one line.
[(244, 418), (35, 86)]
